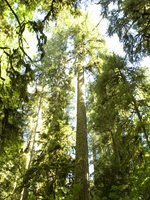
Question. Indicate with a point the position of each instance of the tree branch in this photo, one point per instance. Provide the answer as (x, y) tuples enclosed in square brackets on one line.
[(4, 48), (49, 13), (13, 12)]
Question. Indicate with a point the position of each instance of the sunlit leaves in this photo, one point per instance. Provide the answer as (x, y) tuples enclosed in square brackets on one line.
[(130, 20), (118, 113)]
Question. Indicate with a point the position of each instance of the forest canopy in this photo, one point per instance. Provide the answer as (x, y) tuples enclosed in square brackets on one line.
[(74, 117)]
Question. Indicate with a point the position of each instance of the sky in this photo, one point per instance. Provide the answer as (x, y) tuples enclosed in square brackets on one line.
[(113, 42)]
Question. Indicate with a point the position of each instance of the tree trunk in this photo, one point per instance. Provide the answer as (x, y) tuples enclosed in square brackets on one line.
[(94, 156), (81, 165)]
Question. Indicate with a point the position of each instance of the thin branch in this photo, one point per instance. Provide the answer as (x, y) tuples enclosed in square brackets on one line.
[(4, 48), (50, 11), (13, 12), (97, 24)]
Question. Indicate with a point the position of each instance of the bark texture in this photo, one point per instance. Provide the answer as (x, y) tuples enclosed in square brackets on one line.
[(81, 166)]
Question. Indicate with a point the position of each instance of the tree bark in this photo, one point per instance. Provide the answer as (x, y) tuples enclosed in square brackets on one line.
[(81, 165)]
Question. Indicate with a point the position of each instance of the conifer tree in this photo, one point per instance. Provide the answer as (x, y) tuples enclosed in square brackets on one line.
[(119, 134)]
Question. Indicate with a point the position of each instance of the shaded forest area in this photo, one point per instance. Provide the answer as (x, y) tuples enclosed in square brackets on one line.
[(71, 106)]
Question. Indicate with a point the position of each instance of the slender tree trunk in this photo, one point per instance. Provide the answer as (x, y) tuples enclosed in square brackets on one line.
[(94, 156), (81, 165), (24, 193)]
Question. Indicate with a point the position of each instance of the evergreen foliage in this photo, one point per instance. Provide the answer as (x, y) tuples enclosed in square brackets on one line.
[(119, 145), (130, 20), (42, 155)]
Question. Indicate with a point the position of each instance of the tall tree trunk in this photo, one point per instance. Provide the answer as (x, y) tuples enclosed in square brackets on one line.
[(24, 193), (94, 156), (81, 165)]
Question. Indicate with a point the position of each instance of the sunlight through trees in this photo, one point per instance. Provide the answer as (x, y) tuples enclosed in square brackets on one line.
[(68, 104)]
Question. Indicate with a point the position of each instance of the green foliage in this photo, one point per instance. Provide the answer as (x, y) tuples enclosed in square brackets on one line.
[(120, 146), (36, 151), (17, 105), (126, 19), (52, 164)]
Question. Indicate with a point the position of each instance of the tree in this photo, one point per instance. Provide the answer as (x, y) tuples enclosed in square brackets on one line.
[(126, 18), (37, 136), (84, 44), (81, 168), (51, 162), (16, 73), (15, 63), (119, 144), (83, 54)]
